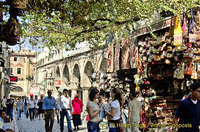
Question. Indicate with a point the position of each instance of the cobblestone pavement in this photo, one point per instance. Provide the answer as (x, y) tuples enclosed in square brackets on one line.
[(25, 125)]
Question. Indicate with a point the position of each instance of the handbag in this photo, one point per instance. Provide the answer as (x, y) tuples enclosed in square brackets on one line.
[(178, 38), (198, 26), (189, 69), (180, 73), (192, 35), (185, 26), (194, 73)]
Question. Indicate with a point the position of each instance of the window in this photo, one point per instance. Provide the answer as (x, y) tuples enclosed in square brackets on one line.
[(18, 70), (15, 58), (11, 70)]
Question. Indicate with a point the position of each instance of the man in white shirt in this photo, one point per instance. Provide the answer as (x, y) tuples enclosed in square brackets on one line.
[(65, 106), (31, 106)]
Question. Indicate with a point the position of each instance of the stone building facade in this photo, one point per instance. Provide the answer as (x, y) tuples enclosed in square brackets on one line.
[(72, 70), (22, 66)]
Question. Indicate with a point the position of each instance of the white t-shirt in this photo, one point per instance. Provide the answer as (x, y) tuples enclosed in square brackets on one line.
[(36, 103), (115, 104), (195, 102), (31, 103), (4, 102), (95, 108)]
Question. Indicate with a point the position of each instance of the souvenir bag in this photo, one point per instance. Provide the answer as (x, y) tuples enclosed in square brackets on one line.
[(196, 58), (180, 73), (188, 69), (178, 37), (185, 26), (198, 70), (140, 68), (192, 35), (12, 30), (198, 26), (194, 73)]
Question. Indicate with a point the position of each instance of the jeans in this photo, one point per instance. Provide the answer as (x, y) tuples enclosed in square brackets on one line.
[(31, 113), (19, 111), (36, 112), (10, 112), (57, 113), (64, 113), (49, 117), (93, 126)]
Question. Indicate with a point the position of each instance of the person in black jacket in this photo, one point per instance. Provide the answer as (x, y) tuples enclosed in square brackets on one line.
[(9, 104)]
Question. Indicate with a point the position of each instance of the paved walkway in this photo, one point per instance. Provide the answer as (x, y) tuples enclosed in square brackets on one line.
[(25, 125)]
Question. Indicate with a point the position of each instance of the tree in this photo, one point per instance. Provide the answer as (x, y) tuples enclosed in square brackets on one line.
[(68, 22)]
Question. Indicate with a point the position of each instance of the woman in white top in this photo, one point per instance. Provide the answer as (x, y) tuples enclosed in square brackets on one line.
[(115, 112), (93, 111)]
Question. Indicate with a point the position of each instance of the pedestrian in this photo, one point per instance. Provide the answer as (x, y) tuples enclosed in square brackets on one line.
[(31, 106), (36, 106), (115, 112), (93, 111), (76, 104), (4, 103), (40, 110), (26, 106), (49, 106), (65, 106), (19, 108), (188, 111), (101, 104), (4, 128), (9, 104), (134, 112), (57, 110)]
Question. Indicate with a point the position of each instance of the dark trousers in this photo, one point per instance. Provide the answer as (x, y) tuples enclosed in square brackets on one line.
[(64, 113), (49, 117), (31, 113)]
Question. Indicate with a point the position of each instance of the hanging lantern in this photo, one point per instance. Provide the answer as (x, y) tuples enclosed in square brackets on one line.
[(20, 4), (12, 31)]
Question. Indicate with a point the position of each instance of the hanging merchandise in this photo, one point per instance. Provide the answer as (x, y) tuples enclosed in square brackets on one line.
[(140, 68), (192, 35), (194, 72), (110, 57), (197, 23), (180, 73), (185, 26), (188, 69), (12, 31), (178, 38), (125, 54), (134, 56), (20, 4), (117, 56)]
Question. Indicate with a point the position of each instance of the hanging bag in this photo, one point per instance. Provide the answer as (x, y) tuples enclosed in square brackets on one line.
[(198, 26), (178, 37), (192, 35), (189, 69), (185, 26), (180, 73)]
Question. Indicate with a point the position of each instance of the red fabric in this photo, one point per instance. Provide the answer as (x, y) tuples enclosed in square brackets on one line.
[(76, 104)]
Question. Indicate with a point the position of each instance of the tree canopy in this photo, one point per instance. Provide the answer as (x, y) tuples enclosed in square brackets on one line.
[(68, 22)]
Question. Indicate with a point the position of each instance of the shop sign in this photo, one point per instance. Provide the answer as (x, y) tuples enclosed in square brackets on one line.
[(13, 78), (155, 27), (58, 82)]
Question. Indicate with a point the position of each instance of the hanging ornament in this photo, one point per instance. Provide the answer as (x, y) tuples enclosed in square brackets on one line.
[(12, 31)]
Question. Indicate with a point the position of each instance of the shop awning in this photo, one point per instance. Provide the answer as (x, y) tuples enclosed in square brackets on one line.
[(17, 93), (62, 88)]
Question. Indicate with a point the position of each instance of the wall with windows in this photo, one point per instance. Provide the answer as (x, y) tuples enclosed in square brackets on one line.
[(22, 66)]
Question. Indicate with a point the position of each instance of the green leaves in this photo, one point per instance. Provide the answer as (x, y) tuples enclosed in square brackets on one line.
[(60, 22)]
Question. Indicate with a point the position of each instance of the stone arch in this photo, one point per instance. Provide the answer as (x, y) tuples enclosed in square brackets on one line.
[(76, 71), (66, 75), (103, 65), (88, 70), (57, 71)]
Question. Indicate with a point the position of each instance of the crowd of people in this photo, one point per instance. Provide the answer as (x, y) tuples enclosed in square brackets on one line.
[(116, 109)]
